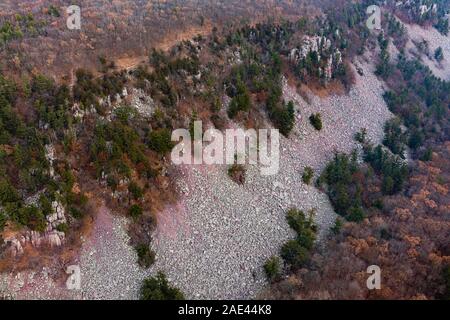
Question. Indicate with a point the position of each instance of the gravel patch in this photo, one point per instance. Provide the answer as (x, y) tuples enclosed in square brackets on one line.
[(108, 264), (214, 243), (34, 285), (435, 40)]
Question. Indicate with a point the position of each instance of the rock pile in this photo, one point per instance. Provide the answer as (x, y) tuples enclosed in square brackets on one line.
[(143, 103)]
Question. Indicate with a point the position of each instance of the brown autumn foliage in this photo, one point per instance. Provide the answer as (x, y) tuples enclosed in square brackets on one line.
[(408, 240), (124, 31)]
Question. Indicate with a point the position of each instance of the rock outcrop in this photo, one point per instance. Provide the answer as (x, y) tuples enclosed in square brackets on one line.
[(51, 236), (328, 57)]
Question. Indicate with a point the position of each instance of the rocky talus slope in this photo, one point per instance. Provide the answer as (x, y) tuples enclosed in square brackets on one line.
[(213, 242)]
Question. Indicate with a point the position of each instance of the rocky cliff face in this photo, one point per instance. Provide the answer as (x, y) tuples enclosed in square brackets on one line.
[(51, 236)]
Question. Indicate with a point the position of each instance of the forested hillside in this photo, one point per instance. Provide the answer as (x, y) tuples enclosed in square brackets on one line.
[(86, 118)]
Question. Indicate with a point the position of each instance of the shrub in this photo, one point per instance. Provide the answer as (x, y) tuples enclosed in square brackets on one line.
[(394, 137), (427, 155), (241, 101), (62, 227), (124, 114), (32, 217), (8, 89), (416, 139), (294, 254), (439, 54), (158, 288), (160, 141), (378, 203), (53, 11), (112, 182), (9, 32), (343, 187), (316, 121), (158, 58), (135, 211), (75, 212), (361, 136), (283, 117), (237, 173), (45, 205), (135, 190), (7, 192), (389, 166), (113, 143), (303, 226), (383, 68), (191, 65), (52, 102), (336, 228), (388, 185), (308, 174), (272, 268), (86, 89), (2, 221), (146, 256), (442, 25), (356, 214)]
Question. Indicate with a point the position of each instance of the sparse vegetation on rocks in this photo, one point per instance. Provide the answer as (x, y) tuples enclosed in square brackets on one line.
[(135, 211), (160, 141), (146, 256), (439, 54), (158, 288), (316, 121), (344, 188), (272, 267), (394, 137), (296, 252), (308, 174), (237, 173)]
